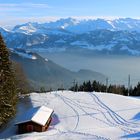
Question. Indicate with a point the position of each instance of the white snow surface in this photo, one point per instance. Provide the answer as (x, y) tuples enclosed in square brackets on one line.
[(79, 26), (37, 115), (46, 60), (133, 52), (87, 116), (86, 45), (42, 115), (26, 55)]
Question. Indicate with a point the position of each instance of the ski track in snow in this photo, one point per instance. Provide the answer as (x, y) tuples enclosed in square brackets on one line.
[(118, 120), (68, 101), (94, 109), (76, 112), (72, 105), (113, 120), (88, 114), (84, 110)]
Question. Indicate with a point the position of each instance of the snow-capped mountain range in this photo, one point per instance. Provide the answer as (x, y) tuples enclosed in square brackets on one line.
[(80, 26), (119, 36)]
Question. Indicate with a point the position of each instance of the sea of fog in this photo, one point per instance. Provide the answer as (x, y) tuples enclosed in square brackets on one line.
[(115, 67)]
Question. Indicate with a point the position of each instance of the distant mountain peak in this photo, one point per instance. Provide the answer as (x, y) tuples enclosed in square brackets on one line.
[(117, 36), (80, 26)]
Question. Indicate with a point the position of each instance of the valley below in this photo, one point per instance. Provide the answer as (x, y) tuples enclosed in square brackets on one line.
[(115, 67), (109, 48)]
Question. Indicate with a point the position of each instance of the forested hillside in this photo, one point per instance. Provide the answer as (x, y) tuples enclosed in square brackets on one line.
[(8, 92)]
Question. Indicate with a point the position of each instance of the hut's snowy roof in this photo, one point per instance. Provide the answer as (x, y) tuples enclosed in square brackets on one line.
[(39, 115)]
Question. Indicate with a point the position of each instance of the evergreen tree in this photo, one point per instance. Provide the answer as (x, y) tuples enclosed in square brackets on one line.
[(99, 87), (136, 90), (8, 96), (96, 86), (89, 87)]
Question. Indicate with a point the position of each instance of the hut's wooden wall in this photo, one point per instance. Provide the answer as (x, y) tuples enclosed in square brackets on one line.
[(24, 127)]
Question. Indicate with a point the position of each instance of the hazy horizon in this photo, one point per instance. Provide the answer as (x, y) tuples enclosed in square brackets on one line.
[(18, 12), (115, 67)]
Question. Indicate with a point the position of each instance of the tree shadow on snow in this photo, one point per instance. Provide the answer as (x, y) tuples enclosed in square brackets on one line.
[(136, 117), (10, 129), (134, 136)]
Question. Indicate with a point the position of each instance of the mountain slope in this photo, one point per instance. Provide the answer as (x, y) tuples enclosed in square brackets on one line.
[(119, 36), (44, 72), (82, 26), (101, 41), (86, 116)]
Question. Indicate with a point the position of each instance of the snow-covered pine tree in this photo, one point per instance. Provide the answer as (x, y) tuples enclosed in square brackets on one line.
[(8, 96)]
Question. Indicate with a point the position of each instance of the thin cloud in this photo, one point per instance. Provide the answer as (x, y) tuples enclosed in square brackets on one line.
[(39, 5), (12, 21), (96, 17), (21, 6)]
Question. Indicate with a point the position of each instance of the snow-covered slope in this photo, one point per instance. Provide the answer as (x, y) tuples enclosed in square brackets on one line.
[(81, 26), (36, 28), (101, 41), (118, 36), (24, 54), (86, 116)]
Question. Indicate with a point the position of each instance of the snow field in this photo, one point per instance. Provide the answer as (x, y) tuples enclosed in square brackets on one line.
[(83, 116)]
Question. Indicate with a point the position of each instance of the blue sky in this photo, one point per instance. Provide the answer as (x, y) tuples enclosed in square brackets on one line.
[(19, 11)]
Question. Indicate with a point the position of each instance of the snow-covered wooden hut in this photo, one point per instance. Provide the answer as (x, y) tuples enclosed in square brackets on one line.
[(35, 119)]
